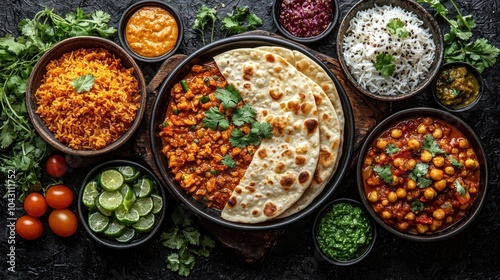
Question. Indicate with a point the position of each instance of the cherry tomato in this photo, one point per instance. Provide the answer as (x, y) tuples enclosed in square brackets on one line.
[(59, 196), (63, 222), (29, 228), (35, 204), (56, 166)]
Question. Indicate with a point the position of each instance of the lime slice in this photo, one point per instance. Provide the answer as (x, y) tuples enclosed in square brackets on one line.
[(127, 235), (98, 222), (111, 179), (143, 205), (157, 203), (101, 209), (114, 229), (143, 187), (127, 217), (128, 196), (145, 223), (110, 200), (90, 192), (130, 174)]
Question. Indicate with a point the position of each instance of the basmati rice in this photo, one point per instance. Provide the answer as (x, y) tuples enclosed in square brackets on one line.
[(367, 37), (92, 119)]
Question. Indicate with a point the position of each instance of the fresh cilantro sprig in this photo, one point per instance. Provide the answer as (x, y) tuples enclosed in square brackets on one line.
[(214, 119), (83, 83), (391, 149), (204, 15), (384, 173), (417, 206), (21, 148), (397, 27), (418, 175), (459, 188), (234, 22), (457, 44), (258, 132), (431, 146), (228, 161), (185, 243), (384, 63), (228, 97), (242, 115)]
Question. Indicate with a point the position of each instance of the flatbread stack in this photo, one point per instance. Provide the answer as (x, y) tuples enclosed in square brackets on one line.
[(297, 97)]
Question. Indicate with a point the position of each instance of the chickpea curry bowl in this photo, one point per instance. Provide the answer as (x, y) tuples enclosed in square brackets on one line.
[(246, 137), (422, 173)]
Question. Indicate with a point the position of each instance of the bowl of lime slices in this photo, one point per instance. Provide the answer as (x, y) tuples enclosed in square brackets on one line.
[(121, 204)]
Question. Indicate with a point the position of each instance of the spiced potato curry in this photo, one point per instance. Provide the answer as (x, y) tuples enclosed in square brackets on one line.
[(421, 175), (242, 134)]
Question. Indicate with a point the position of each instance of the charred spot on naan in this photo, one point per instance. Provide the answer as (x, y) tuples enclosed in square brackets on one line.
[(275, 94), (326, 158), (304, 177), (262, 153), (287, 181), (248, 71), (270, 209), (300, 160), (311, 125), (280, 167)]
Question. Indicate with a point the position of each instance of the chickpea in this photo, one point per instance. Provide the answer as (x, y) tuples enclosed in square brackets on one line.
[(410, 164), (396, 133), (427, 121), (381, 144), (368, 161), (373, 196), (410, 184), (401, 193), (438, 161), (470, 163), (438, 133), (470, 153), (385, 202), (422, 129), (429, 193), (463, 143), (436, 174), (392, 197), (449, 170), (410, 216), (426, 156), (402, 226), (413, 144), (448, 219), (436, 225), (421, 228), (386, 215), (440, 185), (382, 158), (463, 173), (438, 214), (395, 180), (472, 190), (398, 162)]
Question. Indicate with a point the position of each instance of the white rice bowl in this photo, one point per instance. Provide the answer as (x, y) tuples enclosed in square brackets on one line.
[(367, 37)]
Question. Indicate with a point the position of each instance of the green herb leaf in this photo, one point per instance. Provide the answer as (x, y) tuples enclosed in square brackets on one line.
[(228, 161), (455, 92), (417, 174), (384, 173), (242, 115), (391, 149), (397, 27), (423, 182), (228, 98), (431, 145), (204, 15), (83, 83), (459, 188), (214, 119), (204, 99), (253, 21), (385, 64), (234, 22), (455, 162), (417, 206)]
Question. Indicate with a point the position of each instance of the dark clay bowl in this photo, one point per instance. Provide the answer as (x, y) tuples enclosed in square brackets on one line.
[(160, 108), (134, 8), (472, 70), (429, 22), (365, 251), (142, 238), (474, 141), (38, 72), (333, 21)]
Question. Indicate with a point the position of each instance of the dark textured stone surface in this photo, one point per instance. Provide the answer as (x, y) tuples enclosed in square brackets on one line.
[(472, 254)]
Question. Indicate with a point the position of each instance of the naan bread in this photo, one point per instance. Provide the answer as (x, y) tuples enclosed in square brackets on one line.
[(331, 130), (283, 166)]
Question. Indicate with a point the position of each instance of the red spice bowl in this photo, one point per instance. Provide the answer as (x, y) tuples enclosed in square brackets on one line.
[(305, 21), (422, 174)]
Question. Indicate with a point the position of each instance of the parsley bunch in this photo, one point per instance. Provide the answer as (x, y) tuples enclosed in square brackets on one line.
[(185, 243), (21, 148), (458, 46)]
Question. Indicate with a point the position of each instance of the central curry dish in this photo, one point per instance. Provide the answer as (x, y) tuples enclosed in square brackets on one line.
[(255, 133)]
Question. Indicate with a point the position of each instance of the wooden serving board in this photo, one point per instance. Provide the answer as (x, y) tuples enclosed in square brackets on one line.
[(253, 246)]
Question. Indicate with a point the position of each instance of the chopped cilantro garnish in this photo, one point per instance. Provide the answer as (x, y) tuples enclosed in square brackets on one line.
[(385, 64), (431, 145), (455, 162), (228, 98), (242, 115), (391, 149), (228, 161), (204, 99), (258, 132), (83, 83), (417, 206), (459, 188), (384, 173), (397, 26), (418, 173), (215, 119), (455, 92)]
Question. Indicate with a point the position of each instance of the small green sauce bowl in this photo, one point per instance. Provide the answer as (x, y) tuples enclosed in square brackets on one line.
[(362, 251)]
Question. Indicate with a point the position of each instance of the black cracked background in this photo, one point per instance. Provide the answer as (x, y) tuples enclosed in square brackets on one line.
[(472, 254)]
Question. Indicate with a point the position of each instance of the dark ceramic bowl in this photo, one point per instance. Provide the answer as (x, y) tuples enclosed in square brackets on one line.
[(474, 141), (141, 238), (134, 8), (160, 108), (471, 70), (429, 22), (38, 72), (364, 251), (333, 21)]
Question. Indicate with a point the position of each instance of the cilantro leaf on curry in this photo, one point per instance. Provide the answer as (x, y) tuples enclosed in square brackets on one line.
[(391, 149), (417, 206), (418, 173), (384, 173), (385, 64), (455, 162), (459, 188), (431, 145), (228, 98), (83, 83), (228, 161), (215, 119), (242, 115)]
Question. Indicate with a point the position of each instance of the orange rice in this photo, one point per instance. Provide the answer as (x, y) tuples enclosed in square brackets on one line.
[(93, 119)]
